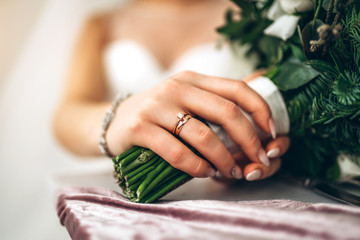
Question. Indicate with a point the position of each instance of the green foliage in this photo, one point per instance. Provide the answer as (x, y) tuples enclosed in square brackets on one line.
[(321, 89), (294, 74), (347, 88), (347, 48), (351, 33), (300, 101), (302, 160)]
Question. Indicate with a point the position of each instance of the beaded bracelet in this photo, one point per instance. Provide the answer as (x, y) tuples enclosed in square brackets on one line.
[(109, 115)]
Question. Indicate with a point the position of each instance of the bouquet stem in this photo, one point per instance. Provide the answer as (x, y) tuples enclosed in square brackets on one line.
[(144, 176)]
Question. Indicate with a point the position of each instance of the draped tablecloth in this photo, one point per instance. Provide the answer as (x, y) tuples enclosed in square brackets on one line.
[(100, 213)]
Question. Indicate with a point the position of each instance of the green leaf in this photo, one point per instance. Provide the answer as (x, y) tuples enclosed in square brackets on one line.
[(271, 47), (333, 172), (229, 16), (235, 29), (337, 60), (323, 66), (272, 72), (297, 52), (294, 74), (245, 6)]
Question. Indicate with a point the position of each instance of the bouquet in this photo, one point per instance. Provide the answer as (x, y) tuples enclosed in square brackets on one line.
[(310, 49)]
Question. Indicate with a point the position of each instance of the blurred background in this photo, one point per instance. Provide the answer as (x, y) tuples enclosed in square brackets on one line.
[(36, 41)]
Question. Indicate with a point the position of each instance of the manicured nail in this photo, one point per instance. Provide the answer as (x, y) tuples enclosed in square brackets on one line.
[(219, 174), (236, 172), (263, 158), (254, 175), (272, 128), (210, 172), (273, 153)]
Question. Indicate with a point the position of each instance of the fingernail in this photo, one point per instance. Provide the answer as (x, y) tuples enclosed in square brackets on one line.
[(272, 128), (254, 175), (219, 174), (263, 158), (236, 172), (273, 153), (210, 172)]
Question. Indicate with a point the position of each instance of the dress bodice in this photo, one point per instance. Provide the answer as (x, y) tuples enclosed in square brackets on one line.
[(130, 67)]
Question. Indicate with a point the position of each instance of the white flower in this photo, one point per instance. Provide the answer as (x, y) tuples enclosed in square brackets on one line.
[(285, 23), (293, 6), (284, 27)]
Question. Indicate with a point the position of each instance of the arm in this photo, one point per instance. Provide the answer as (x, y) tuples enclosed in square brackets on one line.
[(146, 119), (77, 122)]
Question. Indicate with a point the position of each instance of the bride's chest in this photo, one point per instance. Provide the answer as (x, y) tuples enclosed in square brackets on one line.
[(131, 67)]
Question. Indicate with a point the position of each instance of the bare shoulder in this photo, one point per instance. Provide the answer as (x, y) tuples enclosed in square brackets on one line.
[(101, 24), (96, 25), (225, 4), (219, 9)]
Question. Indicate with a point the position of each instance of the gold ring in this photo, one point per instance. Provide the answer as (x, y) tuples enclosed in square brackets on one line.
[(183, 118)]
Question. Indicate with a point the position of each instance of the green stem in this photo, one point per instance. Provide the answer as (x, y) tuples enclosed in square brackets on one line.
[(118, 177), (130, 158), (144, 173), (166, 188), (154, 178), (172, 175), (129, 193), (135, 186), (317, 12), (153, 161), (329, 11), (143, 158), (124, 154)]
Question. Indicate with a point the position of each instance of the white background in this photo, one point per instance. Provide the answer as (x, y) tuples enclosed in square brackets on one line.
[(36, 39)]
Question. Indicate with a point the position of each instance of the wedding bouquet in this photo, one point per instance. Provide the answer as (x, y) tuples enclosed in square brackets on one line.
[(310, 49)]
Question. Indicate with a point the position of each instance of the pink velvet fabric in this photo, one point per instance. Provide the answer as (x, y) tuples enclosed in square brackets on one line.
[(98, 213)]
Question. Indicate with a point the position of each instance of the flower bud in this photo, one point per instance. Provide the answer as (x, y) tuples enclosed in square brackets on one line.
[(293, 6)]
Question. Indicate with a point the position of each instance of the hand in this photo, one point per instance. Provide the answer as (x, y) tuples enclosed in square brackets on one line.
[(256, 171), (274, 150), (146, 120)]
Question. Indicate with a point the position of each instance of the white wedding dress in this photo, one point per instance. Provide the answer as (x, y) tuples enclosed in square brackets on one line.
[(132, 68)]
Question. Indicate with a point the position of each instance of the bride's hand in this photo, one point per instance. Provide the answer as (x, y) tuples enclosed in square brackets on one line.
[(274, 148), (146, 120), (256, 171)]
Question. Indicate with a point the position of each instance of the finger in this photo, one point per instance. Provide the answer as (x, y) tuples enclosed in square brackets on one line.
[(225, 113), (256, 171), (241, 159), (238, 92), (254, 75), (174, 152), (277, 147), (201, 137)]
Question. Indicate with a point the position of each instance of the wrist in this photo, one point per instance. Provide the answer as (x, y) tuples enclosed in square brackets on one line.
[(109, 116)]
